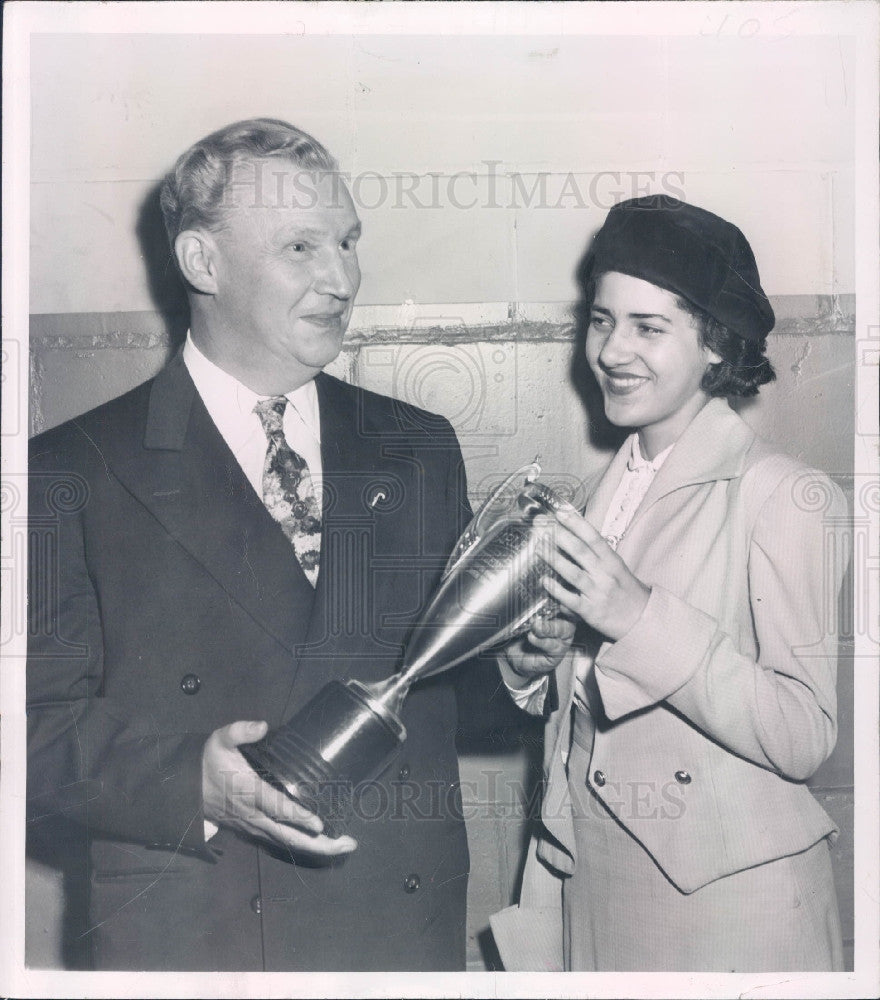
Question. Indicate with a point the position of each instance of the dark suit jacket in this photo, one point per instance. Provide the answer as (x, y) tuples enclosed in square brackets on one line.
[(164, 603)]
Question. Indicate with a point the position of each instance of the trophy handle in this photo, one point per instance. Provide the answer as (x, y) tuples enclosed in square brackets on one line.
[(476, 527)]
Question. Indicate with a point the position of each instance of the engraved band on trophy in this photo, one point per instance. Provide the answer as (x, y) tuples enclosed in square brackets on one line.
[(490, 591)]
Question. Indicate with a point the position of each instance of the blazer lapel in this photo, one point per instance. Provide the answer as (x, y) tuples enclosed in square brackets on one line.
[(712, 447), (604, 487), (189, 479)]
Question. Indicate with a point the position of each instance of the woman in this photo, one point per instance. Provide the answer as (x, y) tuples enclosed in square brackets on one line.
[(699, 693)]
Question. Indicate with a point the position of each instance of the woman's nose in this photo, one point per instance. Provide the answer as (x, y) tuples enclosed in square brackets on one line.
[(616, 350)]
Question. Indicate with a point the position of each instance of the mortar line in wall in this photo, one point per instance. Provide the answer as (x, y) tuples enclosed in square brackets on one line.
[(521, 331)]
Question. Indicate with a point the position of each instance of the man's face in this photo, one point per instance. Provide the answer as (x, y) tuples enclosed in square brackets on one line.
[(287, 275)]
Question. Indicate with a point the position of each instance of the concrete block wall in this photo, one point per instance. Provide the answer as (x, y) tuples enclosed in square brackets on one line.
[(509, 389), (481, 166)]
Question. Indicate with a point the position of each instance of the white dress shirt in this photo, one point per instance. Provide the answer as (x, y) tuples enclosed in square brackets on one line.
[(231, 406), (631, 490)]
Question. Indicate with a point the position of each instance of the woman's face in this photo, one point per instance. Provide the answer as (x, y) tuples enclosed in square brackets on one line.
[(646, 354)]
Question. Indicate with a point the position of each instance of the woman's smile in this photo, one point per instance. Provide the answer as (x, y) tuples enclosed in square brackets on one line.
[(622, 383)]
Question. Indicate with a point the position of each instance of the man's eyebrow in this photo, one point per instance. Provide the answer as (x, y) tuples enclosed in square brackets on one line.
[(297, 232)]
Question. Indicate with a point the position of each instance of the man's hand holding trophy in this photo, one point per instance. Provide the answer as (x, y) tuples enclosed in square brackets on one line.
[(491, 593)]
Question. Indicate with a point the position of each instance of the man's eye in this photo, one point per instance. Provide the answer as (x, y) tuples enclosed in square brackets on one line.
[(349, 244), (298, 247)]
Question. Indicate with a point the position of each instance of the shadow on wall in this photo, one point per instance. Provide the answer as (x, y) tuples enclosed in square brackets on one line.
[(166, 286)]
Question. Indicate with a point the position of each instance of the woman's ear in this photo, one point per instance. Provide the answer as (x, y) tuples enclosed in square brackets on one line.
[(196, 255)]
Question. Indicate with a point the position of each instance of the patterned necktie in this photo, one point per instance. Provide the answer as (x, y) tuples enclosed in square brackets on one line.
[(287, 489)]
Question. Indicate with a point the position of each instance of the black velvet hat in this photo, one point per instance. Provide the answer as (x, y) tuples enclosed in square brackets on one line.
[(689, 251)]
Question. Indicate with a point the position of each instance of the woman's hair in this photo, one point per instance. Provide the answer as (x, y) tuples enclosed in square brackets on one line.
[(192, 194), (744, 365)]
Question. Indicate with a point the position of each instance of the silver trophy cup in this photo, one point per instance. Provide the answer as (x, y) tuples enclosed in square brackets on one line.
[(490, 592)]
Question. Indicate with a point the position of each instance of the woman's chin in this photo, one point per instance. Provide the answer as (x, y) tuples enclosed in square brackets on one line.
[(619, 415)]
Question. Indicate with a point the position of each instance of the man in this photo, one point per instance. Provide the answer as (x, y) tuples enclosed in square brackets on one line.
[(245, 529)]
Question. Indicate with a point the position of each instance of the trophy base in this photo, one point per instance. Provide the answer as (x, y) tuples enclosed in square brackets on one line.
[(340, 739)]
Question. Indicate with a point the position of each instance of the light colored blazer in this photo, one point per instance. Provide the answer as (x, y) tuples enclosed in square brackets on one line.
[(720, 701)]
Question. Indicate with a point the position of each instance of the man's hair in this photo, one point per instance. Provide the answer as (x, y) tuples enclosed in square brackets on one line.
[(192, 194)]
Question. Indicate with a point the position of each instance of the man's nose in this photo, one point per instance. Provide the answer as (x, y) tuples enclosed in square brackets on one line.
[(338, 275)]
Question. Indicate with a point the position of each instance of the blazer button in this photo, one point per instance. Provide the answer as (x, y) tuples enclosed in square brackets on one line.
[(411, 883), (599, 778), (682, 777), (256, 905), (403, 773), (190, 684)]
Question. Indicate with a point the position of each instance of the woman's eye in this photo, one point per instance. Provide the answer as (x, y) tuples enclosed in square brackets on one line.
[(649, 331), (599, 321)]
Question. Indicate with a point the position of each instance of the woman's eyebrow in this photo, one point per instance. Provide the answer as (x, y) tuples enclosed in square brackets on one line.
[(650, 316)]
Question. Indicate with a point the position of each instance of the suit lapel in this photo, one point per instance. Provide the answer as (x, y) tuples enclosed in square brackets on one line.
[(350, 447), (188, 478), (352, 470)]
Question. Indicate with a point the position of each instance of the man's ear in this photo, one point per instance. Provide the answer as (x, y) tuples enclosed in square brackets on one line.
[(196, 256)]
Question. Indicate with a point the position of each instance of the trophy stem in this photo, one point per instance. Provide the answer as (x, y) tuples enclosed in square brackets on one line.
[(347, 734), (387, 696)]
